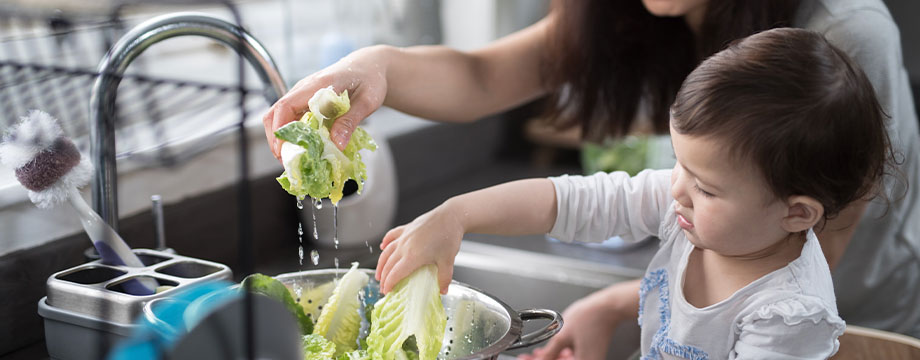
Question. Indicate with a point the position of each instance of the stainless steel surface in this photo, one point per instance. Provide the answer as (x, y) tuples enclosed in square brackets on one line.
[(573, 270), (630, 261), (536, 337), (113, 66), (159, 231), (92, 288), (479, 326), (529, 271)]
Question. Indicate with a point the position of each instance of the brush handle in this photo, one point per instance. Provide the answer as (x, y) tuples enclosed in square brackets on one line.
[(112, 248)]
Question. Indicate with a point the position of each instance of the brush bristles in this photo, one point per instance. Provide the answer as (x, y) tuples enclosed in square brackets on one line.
[(46, 163), (59, 192), (35, 133), (48, 166)]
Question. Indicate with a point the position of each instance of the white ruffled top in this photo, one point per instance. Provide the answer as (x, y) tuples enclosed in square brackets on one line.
[(789, 313)]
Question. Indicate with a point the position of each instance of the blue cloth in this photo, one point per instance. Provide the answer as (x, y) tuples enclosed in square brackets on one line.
[(167, 319)]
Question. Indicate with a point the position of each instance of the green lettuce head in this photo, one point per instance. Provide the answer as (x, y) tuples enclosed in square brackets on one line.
[(316, 347), (340, 319), (313, 165), (269, 286), (412, 311)]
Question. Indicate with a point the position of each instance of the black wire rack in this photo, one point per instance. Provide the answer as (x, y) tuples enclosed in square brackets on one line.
[(49, 60)]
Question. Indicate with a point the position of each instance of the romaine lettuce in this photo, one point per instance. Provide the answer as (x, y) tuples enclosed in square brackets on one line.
[(313, 299), (316, 347), (268, 286), (313, 165), (355, 355), (340, 320), (413, 308)]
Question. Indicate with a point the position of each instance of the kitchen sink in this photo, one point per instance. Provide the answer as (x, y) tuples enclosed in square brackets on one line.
[(525, 279)]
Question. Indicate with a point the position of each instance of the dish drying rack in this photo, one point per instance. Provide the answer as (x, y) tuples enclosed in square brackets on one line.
[(50, 60)]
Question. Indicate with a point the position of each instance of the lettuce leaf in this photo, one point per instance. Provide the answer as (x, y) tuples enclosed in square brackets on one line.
[(316, 347), (326, 105), (313, 165), (268, 286), (355, 355), (413, 308), (340, 320), (313, 299)]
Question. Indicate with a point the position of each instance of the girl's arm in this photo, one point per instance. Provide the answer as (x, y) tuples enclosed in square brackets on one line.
[(514, 208)]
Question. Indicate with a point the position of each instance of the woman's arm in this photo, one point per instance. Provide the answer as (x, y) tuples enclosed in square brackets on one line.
[(432, 82), (590, 323), (440, 83)]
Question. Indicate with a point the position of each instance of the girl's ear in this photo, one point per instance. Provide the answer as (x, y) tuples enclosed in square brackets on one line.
[(802, 213)]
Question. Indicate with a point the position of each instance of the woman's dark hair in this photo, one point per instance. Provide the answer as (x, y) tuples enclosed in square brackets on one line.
[(798, 108), (606, 58)]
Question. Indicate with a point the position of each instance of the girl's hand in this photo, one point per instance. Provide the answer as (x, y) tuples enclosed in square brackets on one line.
[(433, 238), (362, 73)]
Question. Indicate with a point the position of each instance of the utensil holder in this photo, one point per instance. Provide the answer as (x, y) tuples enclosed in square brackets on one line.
[(87, 308)]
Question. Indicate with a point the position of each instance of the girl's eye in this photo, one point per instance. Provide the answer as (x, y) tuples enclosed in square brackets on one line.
[(704, 192)]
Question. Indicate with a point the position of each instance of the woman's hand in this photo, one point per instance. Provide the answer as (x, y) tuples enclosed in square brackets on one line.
[(433, 238), (362, 73), (590, 323)]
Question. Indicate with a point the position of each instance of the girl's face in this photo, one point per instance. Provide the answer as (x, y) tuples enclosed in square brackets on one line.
[(723, 204), (674, 8)]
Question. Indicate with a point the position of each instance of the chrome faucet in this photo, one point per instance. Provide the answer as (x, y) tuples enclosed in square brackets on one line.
[(113, 65)]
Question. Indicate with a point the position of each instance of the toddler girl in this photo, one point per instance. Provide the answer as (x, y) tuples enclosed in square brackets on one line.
[(772, 136)]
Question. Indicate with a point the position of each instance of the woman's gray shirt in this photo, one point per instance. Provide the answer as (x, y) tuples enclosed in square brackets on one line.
[(877, 281)]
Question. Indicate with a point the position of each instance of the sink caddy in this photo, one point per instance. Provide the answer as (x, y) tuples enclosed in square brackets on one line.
[(88, 309)]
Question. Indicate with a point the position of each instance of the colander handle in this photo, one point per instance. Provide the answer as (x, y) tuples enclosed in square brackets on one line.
[(544, 333)]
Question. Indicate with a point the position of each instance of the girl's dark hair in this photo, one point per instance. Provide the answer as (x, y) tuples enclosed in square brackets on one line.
[(797, 107), (606, 58)]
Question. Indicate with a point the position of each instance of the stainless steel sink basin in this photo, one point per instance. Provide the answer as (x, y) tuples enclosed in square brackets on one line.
[(525, 279)]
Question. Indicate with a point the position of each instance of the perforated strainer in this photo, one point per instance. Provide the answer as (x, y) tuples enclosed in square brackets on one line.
[(479, 326)]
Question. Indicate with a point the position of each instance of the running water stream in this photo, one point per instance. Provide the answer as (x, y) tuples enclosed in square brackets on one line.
[(314, 254), (297, 289)]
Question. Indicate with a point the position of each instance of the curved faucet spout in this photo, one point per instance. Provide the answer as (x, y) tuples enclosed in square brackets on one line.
[(112, 67)]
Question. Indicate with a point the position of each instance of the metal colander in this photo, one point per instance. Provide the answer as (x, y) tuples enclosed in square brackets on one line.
[(479, 326)]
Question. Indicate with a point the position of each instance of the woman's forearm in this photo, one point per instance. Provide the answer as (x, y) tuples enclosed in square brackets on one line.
[(440, 83), (622, 299), (516, 208)]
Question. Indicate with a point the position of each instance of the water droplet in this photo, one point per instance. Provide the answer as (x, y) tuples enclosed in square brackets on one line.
[(297, 289), (315, 233), (300, 229), (335, 226), (300, 204), (318, 204), (314, 255), (336, 263), (300, 254)]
